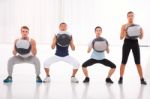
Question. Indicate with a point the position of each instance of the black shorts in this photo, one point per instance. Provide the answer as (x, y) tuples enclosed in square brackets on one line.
[(105, 62), (130, 45)]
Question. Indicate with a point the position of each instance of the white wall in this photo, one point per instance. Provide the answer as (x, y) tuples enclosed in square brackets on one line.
[(43, 17)]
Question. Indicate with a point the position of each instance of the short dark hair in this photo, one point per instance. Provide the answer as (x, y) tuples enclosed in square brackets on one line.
[(62, 23), (130, 12), (98, 27), (25, 27)]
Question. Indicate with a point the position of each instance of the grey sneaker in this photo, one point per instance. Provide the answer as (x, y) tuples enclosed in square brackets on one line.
[(74, 80), (47, 80)]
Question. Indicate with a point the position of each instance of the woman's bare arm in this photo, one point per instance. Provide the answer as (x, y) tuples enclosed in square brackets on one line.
[(142, 34), (123, 32)]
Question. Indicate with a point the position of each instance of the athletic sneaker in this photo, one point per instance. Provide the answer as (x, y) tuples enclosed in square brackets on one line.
[(143, 82), (8, 79), (47, 80), (86, 80), (38, 79), (74, 80), (108, 80), (120, 80)]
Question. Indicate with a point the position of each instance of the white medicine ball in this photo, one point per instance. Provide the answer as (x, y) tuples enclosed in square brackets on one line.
[(23, 46), (100, 44), (133, 31), (63, 40)]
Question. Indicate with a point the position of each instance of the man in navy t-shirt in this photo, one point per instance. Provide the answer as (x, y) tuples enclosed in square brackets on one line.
[(62, 53)]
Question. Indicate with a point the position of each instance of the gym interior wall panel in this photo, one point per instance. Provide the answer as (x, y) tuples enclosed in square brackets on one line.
[(82, 16)]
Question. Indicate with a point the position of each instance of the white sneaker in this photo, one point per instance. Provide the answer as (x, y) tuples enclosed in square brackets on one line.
[(74, 80), (47, 80)]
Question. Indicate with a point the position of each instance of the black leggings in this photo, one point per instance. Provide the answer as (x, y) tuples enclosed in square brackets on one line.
[(105, 62), (130, 45)]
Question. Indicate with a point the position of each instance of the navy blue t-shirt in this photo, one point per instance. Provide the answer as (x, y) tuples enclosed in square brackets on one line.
[(61, 51)]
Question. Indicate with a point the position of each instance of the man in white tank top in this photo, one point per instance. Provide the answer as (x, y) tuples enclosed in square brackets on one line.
[(24, 52)]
